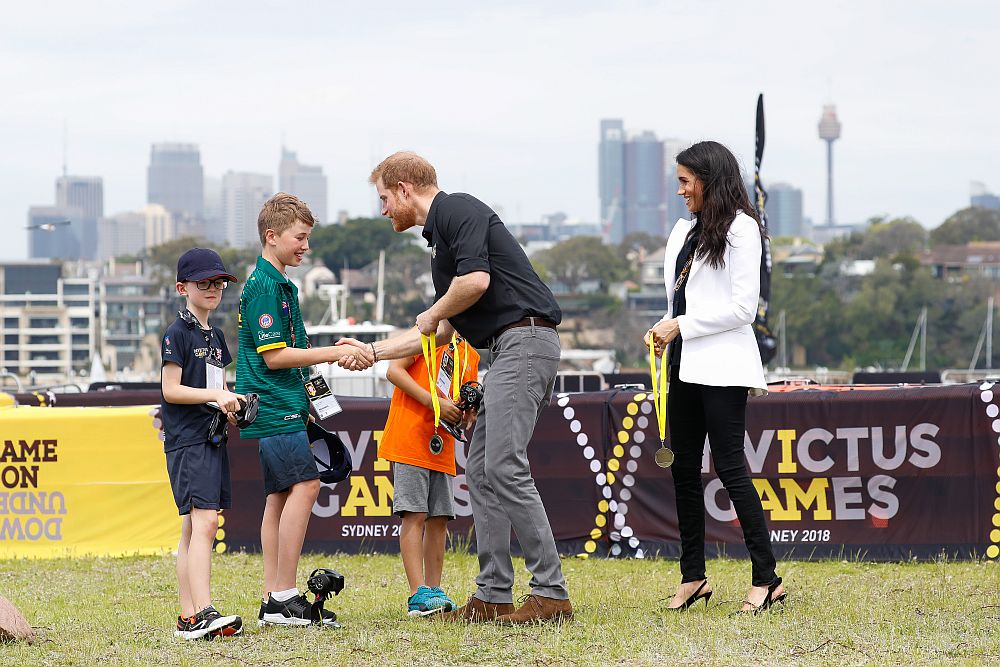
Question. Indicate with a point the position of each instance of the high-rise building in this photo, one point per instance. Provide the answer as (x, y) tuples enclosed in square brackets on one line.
[(306, 182), (645, 186), (784, 210), (54, 232), (611, 177), (980, 197), (174, 178), (49, 324), (632, 182), (215, 228), (161, 226), (243, 195), (122, 234), (85, 193), (676, 208)]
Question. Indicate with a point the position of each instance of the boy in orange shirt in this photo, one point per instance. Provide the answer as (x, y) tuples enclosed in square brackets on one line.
[(422, 470)]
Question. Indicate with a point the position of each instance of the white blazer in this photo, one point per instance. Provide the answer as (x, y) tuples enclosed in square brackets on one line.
[(720, 348)]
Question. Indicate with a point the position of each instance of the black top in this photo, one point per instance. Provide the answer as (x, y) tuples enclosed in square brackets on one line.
[(190, 347), (465, 235), (680, 296)]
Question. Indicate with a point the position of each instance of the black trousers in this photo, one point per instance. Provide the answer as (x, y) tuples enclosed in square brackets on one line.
[(720, 412)]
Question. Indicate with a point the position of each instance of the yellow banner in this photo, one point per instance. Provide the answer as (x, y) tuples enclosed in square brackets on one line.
[(83, 481)]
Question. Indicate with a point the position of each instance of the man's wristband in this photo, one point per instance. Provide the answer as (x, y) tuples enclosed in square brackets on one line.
[(374, 353)]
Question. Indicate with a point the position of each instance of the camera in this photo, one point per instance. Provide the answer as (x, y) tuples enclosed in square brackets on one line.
[(217, 433), (470, 397), (323, 583)]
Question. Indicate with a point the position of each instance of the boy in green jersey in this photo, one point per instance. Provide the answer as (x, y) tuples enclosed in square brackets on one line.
[(273, 361)]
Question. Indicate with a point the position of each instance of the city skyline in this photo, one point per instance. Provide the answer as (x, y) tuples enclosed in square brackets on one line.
[(511, 106)]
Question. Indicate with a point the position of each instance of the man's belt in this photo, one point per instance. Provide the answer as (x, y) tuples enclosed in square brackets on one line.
[(526, 322)]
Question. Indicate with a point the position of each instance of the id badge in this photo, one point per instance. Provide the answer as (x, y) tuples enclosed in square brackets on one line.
[(445, 373), (321, 397), (215, 376)]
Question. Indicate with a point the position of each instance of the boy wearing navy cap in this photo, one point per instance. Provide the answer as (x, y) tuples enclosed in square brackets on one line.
[(192, 375)]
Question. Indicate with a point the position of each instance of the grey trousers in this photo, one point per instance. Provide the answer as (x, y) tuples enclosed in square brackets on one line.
[(503, 495)]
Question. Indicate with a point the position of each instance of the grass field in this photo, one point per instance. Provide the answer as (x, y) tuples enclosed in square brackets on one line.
[(121, 611)]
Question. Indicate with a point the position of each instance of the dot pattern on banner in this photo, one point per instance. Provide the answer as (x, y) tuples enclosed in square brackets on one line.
[(220, 535), (624, 454), (992, 412)]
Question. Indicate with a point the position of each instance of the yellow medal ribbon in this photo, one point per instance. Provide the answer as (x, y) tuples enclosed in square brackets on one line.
[(664, 456), (459, 369), (429, 345), (659, 388)]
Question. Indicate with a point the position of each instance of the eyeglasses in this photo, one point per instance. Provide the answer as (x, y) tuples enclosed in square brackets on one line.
[(218, 283)]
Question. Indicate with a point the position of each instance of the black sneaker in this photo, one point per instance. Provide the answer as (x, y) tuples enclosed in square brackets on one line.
[(210, 623), (183, 625), (294, 611)]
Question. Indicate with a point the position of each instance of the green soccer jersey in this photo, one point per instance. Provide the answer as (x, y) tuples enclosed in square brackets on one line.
[(269, 319)]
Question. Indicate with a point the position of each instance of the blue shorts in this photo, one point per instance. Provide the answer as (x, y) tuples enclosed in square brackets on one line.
[(199, 477), (286, 459)]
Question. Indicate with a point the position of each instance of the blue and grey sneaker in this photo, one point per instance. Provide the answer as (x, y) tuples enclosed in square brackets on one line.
[(442, 600), (424, 602)]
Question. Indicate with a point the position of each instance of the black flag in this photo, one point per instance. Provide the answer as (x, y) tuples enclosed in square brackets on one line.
[(765, 339)]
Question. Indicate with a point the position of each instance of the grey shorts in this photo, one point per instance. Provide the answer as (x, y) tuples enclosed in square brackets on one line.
[(421, 490)]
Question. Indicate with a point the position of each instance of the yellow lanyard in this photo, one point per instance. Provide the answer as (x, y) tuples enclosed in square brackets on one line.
[(429, 345), (458, 370), (659, 389)]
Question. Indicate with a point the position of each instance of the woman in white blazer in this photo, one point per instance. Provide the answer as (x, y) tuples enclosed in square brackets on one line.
[(712, 275)]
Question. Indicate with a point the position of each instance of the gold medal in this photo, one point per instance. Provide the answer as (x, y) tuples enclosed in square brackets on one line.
[(664, 456), (436, 445)]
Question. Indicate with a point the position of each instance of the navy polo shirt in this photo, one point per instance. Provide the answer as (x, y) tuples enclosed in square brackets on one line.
[(191, 348), (465, 235)]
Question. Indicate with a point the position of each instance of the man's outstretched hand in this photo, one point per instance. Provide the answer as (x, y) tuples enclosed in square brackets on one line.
[(360, 356)]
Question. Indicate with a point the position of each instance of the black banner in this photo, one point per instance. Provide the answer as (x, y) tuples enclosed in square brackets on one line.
[(873, 474), (876, 474)]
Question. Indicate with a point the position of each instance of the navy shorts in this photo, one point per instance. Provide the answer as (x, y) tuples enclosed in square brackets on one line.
[(286, 459), (199, 478)]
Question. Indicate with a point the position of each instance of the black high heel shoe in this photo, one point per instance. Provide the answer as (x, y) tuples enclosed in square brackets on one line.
[(769, 599), (697, 595)]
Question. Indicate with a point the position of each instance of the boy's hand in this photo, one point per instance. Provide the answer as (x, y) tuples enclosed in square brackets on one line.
[(228, 401), (449, 412), (470, 419), (359, 358)]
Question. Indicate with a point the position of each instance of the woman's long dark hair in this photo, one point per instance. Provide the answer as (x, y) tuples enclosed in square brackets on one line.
[(724, 195)]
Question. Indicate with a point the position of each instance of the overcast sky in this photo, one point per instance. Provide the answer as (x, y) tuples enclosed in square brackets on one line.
[(503, 97)]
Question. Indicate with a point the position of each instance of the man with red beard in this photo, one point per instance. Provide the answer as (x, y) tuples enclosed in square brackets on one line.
[(487, 290)]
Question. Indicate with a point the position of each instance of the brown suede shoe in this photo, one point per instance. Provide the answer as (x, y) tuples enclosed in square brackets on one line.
[(540, 609), (476, 611)]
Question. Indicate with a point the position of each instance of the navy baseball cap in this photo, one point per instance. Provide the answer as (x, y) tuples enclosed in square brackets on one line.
[(201, 263), (335, 463)]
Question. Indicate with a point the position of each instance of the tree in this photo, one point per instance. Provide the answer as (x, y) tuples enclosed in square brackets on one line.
[(355, 243), (637, 240), (581, 258), (969, 224), (898, 237)]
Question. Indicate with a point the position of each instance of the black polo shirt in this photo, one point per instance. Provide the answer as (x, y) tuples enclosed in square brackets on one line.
[(465, 235)]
